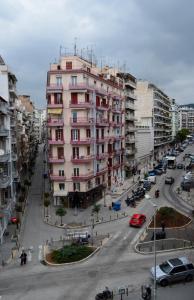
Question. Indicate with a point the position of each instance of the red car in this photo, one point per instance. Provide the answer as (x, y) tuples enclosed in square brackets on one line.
[(137, 220)]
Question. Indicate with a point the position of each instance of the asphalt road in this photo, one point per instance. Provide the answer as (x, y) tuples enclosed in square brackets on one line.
[(115, 265)]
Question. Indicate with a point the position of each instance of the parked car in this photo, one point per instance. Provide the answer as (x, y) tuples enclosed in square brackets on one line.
[(137, 220), (180, 166), (147, 185), (169, 180), (158, 171), (175, 269)]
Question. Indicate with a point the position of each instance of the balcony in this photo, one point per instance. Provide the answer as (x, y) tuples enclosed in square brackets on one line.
[(83, 104), (5, 181), (102, 171), (56, 142), (118, 137), (129, 117), (101, 140), (83, 177), (80, 86), (129, 140), (129, 105), (3, 108), (130, 95), (14, 156), (55, 159), (55, 177), (55, 122), (102, 107), (13, 140), (100, 156), (54, 88), (3, 131), (116, 165), (100, 91), (85, 141), (131, 128), (116, 124), (4, 156), (130, 151), (55, 105), (82, 159), (102, 122), (81, 122)]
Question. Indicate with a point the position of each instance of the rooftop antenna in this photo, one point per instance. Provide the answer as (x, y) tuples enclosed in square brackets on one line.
[(75, 47)]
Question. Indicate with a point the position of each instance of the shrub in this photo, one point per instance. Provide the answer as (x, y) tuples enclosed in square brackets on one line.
[(71, 253)]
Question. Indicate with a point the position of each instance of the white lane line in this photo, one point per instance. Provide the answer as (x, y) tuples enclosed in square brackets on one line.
[(40, 254)]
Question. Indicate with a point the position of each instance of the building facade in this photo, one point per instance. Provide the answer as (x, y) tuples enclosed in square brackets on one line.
[(8, 146), (86, 138), (186, 115), (175, 118), (154, 107)]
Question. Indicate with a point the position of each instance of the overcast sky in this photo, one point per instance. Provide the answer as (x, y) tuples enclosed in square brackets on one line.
[(153, 38)]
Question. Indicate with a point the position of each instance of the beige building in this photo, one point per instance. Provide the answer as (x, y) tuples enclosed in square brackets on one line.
[(186, 116), (153, 109), (85, 120)]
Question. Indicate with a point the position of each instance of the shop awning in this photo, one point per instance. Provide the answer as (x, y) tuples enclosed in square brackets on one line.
[(56, 111)]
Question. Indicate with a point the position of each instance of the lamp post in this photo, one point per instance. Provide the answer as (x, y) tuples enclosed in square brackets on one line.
[(148, 197)]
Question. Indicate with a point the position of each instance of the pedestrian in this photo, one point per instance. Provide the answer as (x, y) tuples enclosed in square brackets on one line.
[(23, 258)]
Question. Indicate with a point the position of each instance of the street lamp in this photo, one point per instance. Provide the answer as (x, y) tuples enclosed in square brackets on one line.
[(148, 197)]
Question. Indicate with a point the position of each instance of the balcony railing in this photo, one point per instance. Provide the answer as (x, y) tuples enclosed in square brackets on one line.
[(102, 140), (5, 181), (117, 124), (5, 156), (56, 142), (55, 159), (52, 88), (81, 121), (55, 177), (130, 117), (3, 131), (83, 104), (129, 105), (102, 171), (55, 122), (85, 141), (102, 107), (81, 86), (100, 156), (54, 105), (82, 177), (102, 122), (82, 159)]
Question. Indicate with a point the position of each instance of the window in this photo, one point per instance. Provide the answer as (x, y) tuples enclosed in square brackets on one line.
[(178, 270), (87, 98), (61, 186), (97, 168), (73, 80), (59, 134), (60, 152), (59, 80), (102, 133), (75, 134), (74, 117), (76, 186), (88, 133), (88, 150), (89, 184), (68, 65), (102, 148), (49, 99), (74, 98), (97, 180), (75, 152), (61, 172), (58, 99), (76, 171), (97, 134)]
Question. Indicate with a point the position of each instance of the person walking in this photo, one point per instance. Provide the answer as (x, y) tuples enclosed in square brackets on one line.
[(23, 258)]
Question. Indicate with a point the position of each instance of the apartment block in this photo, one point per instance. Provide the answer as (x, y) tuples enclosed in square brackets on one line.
[(153, 108), (8, 146), (186, 115), (86, 135), (175, 118)]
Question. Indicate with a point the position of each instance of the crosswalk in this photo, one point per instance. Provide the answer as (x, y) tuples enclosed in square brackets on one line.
[(34, 254)]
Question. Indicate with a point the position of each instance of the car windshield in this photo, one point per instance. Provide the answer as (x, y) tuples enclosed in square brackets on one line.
[(165, 267)]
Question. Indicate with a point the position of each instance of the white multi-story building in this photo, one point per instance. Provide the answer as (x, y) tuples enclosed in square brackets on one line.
[(154, 107), (186, 115), (8, 146), (85, 120), (175, 118)]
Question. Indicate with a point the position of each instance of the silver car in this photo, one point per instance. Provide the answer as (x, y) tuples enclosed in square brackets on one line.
[(175, 269)]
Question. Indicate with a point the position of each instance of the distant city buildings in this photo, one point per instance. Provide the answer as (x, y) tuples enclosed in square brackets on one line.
[(186, 114)]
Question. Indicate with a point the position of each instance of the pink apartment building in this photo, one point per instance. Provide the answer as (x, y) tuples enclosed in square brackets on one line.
[(86, 134)]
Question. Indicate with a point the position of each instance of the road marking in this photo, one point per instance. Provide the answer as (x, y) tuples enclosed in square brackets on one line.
[(29, 256), (40, 254)]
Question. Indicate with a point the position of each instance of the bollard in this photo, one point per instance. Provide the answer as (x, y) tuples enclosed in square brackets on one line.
[(110, 217), (96, 233), (117, 215)]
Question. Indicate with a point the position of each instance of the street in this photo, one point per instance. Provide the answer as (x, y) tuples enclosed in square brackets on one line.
[(116, 265)]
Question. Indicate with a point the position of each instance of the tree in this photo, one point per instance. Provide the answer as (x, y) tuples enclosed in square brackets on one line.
[(61, 212), (182, 135), (95, 210)]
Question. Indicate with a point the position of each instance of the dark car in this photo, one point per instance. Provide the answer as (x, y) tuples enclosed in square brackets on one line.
[(158, 171), (180, 166), (169, 180)]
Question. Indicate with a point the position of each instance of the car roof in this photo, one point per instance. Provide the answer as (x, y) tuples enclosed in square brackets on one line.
[(137, 216), (178, 261)]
